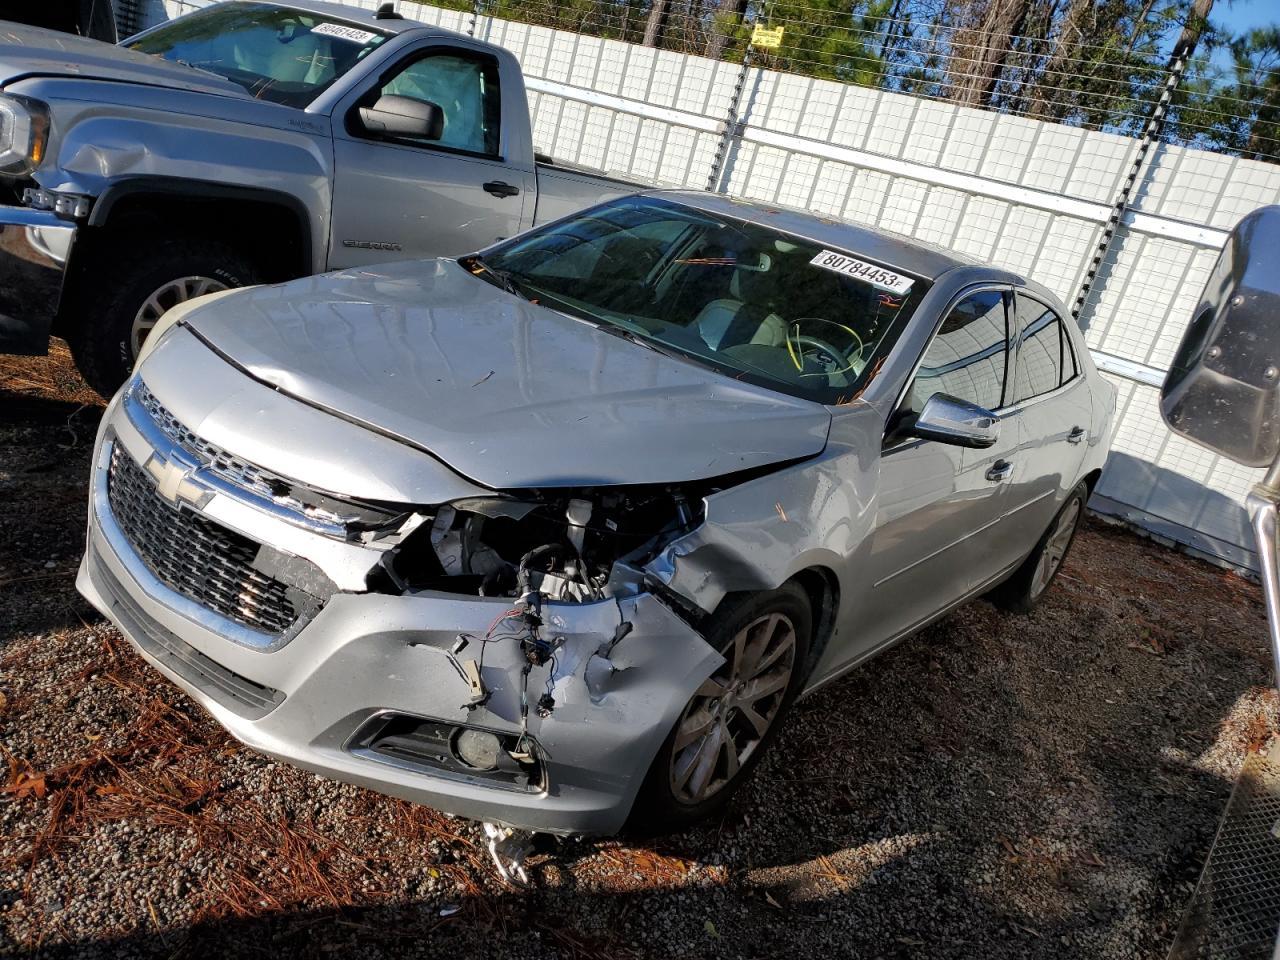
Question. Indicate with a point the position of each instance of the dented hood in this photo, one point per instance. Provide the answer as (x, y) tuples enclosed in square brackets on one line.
[(508, 393), (33, 51)]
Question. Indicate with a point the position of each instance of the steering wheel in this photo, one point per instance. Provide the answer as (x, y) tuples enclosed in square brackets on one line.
[(833, 362)]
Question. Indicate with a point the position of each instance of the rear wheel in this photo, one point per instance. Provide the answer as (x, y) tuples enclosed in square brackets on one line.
[(1022, 591), (730, 720), (138, 288)]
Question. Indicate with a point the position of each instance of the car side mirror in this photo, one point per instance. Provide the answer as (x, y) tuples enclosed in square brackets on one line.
[(396, 116), (1223, 386), (948, 419)]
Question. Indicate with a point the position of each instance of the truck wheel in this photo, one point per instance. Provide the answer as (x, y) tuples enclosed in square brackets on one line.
[(137, 289), (730, 720)]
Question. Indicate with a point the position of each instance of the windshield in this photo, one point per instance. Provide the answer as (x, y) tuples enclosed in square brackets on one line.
[(286, 56), (760, 305)]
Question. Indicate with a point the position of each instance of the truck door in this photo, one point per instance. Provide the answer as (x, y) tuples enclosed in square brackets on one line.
[(399, 198)]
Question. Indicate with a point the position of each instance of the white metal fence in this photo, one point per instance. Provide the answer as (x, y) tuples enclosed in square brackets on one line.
[(1026, 194)]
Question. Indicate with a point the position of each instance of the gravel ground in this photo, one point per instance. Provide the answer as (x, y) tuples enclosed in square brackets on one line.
[(1022, 787)]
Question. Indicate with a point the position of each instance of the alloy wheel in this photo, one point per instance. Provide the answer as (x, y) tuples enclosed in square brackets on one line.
[(1055, 548), (729, 715), (166, 298)]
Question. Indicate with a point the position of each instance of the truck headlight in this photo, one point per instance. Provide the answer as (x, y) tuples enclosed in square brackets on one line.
[(24, 134)]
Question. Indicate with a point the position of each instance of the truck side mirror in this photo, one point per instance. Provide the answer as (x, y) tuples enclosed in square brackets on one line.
[(1223, 386), (396, 116)]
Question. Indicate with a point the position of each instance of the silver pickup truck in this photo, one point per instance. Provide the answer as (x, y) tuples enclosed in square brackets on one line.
[(249, 142)]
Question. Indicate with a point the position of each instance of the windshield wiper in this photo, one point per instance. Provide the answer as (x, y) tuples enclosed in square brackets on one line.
[(191, 66), (505, 279), (508, 282), (631, 336)]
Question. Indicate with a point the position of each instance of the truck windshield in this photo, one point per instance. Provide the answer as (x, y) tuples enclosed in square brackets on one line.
[(757, 304), (278, 54)]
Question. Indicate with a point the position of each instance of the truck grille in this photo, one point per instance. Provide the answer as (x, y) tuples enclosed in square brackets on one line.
[(1235, 911), (194, 556)]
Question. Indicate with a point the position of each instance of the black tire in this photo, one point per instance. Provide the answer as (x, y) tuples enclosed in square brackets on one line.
[(658, 809), (101, 343), (1023, 590)]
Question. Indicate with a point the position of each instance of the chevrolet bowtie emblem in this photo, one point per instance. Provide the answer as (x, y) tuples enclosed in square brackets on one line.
[(174, 480)]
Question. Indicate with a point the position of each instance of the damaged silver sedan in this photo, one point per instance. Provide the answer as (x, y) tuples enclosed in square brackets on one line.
[(554, 535)]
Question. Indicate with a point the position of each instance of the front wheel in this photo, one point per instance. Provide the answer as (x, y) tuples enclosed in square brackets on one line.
[(729, 721), (1023, 590), (137, 289)]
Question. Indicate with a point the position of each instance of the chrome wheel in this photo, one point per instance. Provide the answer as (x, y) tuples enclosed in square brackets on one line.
[(166, 298), (728, 716), (1055, 548)]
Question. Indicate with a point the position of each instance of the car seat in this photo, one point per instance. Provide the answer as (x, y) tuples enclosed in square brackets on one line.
[(745, 316)]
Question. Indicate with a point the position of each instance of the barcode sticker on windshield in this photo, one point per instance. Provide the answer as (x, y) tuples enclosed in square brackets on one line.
[(343, 32), (871, 273)]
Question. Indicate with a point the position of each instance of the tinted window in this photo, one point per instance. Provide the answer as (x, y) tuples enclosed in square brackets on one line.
[(743, 298), (465, 88), (608, 257), (967, 356), (288, 56), (1045, 360)]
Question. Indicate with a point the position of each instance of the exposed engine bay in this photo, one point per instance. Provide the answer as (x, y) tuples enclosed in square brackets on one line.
[(562, 545)]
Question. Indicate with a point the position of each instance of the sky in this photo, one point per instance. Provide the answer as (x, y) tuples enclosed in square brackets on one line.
[(1245, 14), (1240, 16)]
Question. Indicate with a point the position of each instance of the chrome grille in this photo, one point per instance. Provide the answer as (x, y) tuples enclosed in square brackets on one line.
[(233, 468), (196, 557), (235, 692)]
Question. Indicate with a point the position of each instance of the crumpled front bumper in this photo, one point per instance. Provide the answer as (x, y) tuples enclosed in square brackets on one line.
[(34, 248), (365, 655)]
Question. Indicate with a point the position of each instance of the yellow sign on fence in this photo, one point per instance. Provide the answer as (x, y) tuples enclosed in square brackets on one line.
[(765, 37)]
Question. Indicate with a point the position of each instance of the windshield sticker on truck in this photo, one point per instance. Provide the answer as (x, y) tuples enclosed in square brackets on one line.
[(343, 32), (882, 277)]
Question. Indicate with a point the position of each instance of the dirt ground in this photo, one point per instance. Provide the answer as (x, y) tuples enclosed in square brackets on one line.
[(1001, 786)]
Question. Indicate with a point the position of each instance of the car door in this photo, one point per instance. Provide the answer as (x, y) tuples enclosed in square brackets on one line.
[(936, 502), (1055, 411), (398, 198)]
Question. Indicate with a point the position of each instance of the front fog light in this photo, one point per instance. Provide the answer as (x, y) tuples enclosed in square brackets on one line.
[(438, 746), (478, 749)]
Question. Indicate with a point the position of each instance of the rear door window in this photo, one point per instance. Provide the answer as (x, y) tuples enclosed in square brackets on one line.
[(1045, 358)]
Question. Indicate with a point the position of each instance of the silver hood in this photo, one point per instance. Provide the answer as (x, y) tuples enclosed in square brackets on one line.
[(508, 393), (33, 51)]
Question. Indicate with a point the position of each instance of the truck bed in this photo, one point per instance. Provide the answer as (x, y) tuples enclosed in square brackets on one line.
[(565, 188)]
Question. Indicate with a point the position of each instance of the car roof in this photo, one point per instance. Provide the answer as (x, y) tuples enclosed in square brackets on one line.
[(883, 246), (355, 15)]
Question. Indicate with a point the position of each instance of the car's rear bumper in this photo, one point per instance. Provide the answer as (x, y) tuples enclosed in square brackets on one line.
[(314, 700), (34, 248)]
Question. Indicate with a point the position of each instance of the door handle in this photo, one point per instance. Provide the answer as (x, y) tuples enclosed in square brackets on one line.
[(500, 189), (999, 470), (1076, 435)]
